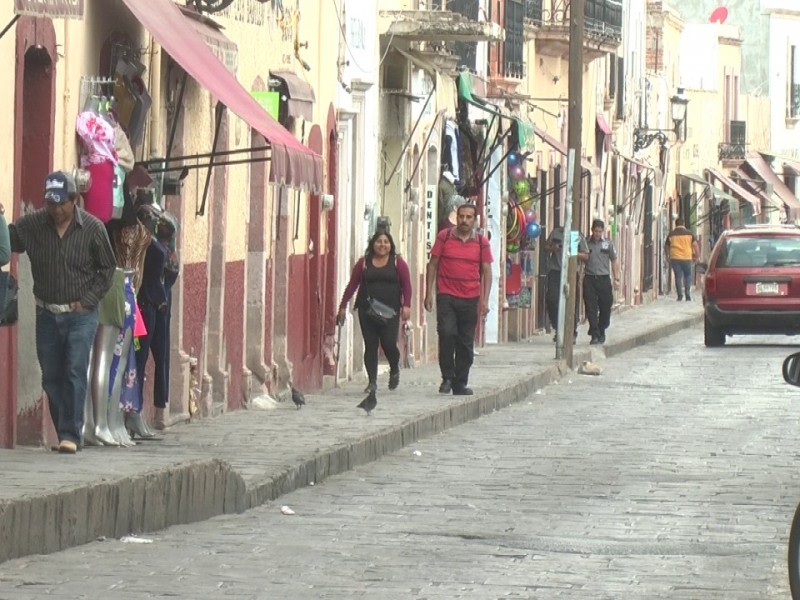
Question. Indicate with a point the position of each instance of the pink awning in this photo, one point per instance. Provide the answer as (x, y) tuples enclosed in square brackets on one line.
[(761, 167), (291, 162), (736, 189), (602, 125)]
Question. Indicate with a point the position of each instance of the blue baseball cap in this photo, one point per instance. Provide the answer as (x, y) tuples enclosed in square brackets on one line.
[(59, 187)]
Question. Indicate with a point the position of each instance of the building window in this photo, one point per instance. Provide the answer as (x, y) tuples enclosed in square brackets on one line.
[(612, 77), (513, 64), (793, 104), (466, 51)]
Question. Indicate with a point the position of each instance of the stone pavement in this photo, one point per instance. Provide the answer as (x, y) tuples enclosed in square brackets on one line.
[(49, 502)]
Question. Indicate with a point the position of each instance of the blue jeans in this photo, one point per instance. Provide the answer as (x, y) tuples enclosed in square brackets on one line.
[(63, 345), (683, 277)]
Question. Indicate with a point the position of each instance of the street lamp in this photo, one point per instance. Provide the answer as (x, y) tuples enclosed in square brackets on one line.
[(643, 137)]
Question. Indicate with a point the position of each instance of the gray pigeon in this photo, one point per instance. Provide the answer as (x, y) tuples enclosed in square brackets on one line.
[(369, 403), (298, 398)]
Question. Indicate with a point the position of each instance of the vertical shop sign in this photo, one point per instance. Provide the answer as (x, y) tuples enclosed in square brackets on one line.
[(431, 215), (55, 9), (494, 200)]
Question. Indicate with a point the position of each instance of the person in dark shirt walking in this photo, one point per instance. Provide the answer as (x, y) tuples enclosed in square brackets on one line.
[(384, 276), (73, 265), (598, 289), (461, 267)]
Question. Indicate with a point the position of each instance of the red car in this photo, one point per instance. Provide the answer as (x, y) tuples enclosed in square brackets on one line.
[(752, 283)]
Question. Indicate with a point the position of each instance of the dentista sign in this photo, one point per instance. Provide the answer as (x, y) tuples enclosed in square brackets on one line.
[(56, 9)]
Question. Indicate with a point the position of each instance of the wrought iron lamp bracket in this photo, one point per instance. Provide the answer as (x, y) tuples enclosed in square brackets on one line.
[(642, 138), (212, 6)]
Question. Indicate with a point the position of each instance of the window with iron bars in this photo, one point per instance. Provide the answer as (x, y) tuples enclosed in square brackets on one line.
[(513, 63), (793, 99)]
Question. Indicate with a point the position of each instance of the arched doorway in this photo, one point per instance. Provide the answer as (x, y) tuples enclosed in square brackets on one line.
[(22, 410)]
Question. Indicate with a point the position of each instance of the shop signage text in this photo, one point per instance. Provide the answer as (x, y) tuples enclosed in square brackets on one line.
[(50, 8)]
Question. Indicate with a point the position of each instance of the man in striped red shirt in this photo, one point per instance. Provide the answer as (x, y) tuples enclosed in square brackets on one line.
[(461, 266)]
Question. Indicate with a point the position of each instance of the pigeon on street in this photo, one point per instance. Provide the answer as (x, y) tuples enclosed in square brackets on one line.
[(369, 403), (298, 398)]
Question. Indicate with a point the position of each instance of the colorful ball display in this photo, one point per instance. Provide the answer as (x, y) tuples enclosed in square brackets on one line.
[(533, 230), (522, 188), (517, 173), (530, 216), (512, 159)]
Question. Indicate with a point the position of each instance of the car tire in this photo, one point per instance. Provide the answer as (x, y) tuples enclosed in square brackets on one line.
[(713, 336)]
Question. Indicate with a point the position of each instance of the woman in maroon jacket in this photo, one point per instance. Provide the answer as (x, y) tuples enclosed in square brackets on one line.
[(383, 276)]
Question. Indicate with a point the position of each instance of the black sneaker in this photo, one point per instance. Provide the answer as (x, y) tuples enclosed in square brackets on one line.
[(462, 391), (446, 387), (595, 341), (680, 298), (602, 339), (372, 387), (394, 379), (688, 298)]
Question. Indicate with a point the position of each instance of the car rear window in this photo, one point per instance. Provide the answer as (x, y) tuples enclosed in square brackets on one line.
[(759, 252)]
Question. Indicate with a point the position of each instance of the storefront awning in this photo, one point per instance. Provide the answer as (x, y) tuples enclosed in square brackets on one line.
[(695, 178), (756, 163), (210, 32), (466, 91), (758, 187), (790, 164), (301, 98), (526, 135), (54, 9), (736, 189), (606, 131), (291, 162)]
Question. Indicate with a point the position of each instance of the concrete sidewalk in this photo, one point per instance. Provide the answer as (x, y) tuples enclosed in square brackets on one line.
[(242, 459)]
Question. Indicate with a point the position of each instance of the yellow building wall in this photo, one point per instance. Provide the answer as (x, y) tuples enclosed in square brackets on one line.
[(7, 99)]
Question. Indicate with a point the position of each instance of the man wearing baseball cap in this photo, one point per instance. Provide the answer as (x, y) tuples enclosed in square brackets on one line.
[(72, 266)]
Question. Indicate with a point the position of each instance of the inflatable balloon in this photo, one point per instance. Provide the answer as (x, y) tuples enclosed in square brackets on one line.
[(522, 187), (517, 173), (525, 202), (512, 247), (513, 159), (530, 216), (533, 230)]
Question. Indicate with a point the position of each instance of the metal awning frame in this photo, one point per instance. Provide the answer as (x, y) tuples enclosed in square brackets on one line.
[(170, 164), (407, 143), (10, 24)]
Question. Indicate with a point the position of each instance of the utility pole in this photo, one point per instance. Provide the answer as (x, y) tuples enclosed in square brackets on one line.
[(577, 15)]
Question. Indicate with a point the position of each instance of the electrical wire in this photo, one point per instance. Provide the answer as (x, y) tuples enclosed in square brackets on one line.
[(350, 50)]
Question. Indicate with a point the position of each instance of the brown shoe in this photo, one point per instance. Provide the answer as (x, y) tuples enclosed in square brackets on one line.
[(67, 447), (159, 419)]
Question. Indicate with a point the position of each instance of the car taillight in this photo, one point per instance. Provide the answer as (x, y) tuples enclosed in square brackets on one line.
[(711, 285)]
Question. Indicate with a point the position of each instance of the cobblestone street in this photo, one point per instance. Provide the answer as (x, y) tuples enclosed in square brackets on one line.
[(672, 475)]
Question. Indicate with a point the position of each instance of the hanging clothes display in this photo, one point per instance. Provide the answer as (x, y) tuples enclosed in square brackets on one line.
[(128, 398), (100, 159), (452, 143), (161, 268), (130, 244)]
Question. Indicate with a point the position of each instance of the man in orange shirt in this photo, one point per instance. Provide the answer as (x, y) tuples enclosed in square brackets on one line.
[(682, 250)]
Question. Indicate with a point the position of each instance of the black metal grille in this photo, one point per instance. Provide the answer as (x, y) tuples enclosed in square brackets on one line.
[(736, 149), (603, 17), (513, 64)]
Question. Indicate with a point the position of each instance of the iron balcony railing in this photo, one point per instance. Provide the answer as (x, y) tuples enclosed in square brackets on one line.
[(603, 17), (732, 151)]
